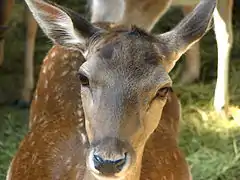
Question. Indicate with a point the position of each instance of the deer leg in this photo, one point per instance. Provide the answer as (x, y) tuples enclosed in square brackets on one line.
[(192, 63), (5, 11), (224, 37), (29, 54)]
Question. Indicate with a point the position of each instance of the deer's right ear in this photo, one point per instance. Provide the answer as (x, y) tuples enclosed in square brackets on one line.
[(61, 25)]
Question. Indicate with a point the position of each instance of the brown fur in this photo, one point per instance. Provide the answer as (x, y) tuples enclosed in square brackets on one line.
[(54, 122), (162, 158)]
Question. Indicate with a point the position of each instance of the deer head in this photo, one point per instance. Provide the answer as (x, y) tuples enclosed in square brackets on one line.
[(124, 79)]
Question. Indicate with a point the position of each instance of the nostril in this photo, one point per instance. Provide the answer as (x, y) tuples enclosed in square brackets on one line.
[(98, 161), (121, 162), (107, 166)]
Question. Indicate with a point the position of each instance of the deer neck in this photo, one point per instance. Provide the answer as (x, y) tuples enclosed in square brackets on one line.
[(133, 175)]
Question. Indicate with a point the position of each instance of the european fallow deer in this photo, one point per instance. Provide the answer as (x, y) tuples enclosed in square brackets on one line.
[(145, 14), (5, 12), (115, 117)]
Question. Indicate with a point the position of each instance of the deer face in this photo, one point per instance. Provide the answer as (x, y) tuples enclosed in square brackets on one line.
[(124, 79), (124, 88)]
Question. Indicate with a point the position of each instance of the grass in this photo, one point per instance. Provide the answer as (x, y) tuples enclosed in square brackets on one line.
[(13, 128), (211, 143)]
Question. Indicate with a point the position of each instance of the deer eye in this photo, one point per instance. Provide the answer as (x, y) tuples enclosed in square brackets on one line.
[(163, 92), (83, 79)]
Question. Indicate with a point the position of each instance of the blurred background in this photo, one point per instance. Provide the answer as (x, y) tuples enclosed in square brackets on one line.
[(211, 144)]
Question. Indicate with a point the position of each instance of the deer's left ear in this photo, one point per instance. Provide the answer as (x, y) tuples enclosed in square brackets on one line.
[(190, 30), (61, 25)]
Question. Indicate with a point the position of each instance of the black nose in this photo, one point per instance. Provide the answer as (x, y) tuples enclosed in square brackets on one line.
[(107, 166)]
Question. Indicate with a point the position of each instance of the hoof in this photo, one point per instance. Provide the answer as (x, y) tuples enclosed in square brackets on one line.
[(235, 114), (21, 104), (225, 113)]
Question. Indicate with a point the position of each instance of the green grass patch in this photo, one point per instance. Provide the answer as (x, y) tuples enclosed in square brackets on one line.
[(13, 128), (211, 143)]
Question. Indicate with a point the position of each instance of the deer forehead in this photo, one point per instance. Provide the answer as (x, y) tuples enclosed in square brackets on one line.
[(126, 57)]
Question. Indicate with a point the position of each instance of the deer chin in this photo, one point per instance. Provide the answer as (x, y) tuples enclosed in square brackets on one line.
[(103, 177), (116, 176)]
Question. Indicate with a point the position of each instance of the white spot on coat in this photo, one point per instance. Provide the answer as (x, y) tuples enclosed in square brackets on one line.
[(84, 138), (64, 73), (80, 113), (65, 56), (44, 70), (46, 97), (53, 54), (46, 84)]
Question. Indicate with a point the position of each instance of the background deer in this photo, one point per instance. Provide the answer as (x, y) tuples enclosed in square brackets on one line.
[(5, 12), (96, 126), (146, 13)]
